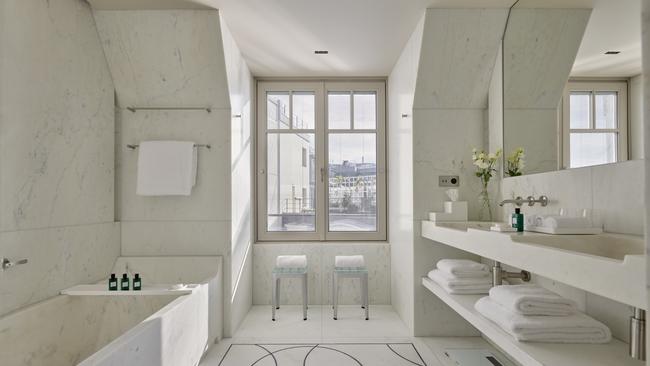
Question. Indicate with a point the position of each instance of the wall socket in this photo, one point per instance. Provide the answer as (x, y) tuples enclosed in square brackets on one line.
[(448, 181)]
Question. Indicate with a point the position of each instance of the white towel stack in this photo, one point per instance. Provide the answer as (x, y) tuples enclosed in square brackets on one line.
[(462, 276), (532, 313)]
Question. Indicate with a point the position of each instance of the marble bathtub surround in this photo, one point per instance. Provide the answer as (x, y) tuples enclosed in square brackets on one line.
[(57, 155)]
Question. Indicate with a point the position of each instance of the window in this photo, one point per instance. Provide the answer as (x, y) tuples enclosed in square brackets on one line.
[(335, 188), (595, 123)]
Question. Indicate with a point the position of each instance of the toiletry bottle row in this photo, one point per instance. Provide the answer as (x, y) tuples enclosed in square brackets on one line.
[(125, 283)]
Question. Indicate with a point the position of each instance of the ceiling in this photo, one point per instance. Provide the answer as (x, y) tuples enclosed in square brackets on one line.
[(613, 26), (365, 37)]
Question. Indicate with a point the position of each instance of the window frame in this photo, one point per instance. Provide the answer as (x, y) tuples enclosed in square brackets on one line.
[(594, 87), (321, 131)]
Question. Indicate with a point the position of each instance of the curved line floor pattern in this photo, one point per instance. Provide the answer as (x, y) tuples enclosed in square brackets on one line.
[(323, 354)]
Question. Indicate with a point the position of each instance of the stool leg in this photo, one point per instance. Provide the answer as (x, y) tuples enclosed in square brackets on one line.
[(365, 295), (277, 293), (274, 287), (304, 297), (335, 281)]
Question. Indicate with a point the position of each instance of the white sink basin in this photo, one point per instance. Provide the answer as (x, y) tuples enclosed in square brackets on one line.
[(603, 245)]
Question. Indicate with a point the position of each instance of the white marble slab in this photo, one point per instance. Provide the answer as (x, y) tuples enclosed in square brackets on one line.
[(57, 118), (148, 290), (165, 57), (458, 52), (57, 258)]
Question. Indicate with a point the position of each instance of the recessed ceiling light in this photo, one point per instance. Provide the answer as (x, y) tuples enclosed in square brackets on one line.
[(612, 52), (321, 52)]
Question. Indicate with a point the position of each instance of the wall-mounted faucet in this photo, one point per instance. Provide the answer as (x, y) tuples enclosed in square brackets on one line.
[(6, 263), (518, 201)]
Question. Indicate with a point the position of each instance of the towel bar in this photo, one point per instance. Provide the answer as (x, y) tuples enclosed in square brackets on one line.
[(135, 146), (135, 109)]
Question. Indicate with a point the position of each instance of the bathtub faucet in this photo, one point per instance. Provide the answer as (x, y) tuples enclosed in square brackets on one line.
[(6, 263)]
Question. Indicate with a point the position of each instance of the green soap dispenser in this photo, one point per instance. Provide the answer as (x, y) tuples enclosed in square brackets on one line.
[(112, 283), (518, 220), (124, 283), (137, 282)]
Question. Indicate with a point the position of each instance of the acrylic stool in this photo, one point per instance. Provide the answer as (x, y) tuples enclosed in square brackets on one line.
[(350, 272), (279, 273)]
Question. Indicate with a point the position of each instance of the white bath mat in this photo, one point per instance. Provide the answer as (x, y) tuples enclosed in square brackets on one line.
[(325, 354)]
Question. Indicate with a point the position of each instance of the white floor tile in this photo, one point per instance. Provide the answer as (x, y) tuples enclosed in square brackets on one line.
[(291, 338)]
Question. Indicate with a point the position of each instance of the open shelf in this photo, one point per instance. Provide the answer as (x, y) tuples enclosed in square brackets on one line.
[(101, 290), (595, 263), (535, 354)]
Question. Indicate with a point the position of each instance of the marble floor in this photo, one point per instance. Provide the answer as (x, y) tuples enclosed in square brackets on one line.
[(321, 340)]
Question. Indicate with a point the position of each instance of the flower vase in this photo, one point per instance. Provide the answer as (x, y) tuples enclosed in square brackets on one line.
[(485, 206)]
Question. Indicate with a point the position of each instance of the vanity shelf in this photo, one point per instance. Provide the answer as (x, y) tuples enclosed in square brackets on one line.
[(609, 265), (535, 354), (101, 290)]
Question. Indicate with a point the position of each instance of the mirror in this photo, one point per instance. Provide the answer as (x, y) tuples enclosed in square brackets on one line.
[(572, 86)]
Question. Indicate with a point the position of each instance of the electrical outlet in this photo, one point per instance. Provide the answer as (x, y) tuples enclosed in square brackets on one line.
[(448, 181)]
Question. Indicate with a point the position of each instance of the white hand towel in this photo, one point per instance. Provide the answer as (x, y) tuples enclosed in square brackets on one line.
[(291, 261), (561, 222), (576, 328), (532, 300), (463, 268), (166, 168), (455, 285), (349, 261)]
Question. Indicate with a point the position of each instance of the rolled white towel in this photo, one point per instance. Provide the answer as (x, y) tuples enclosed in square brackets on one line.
[(456, 285), (463, 268), (532, 300), (576, 328), (291, 261), (349, 261), (560, 222)]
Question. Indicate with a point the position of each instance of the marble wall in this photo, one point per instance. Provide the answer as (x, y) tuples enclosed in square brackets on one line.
[(240, 87), (56, 151), (448, 121), (320, 258), (540, 46), (176, 58), (401, 93)]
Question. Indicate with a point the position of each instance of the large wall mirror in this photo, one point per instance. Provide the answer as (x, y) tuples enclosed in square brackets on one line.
[(572, 86)]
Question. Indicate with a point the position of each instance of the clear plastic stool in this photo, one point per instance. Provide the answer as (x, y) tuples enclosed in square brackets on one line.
[(279, 273), (350, 272)]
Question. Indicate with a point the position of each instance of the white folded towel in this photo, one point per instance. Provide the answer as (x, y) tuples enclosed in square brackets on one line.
[(576, 328), (291, 261), (463, 268), (166, 168), (532, 300), (561, 222), (349, 261), (456, 285)]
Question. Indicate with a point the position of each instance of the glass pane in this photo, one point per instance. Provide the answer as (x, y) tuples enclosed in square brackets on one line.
[(338, 110), (352, 182), (304, 112), (580, 109), (291, 182), (605, 104), (592, 149), (365, 111), (277, 110)]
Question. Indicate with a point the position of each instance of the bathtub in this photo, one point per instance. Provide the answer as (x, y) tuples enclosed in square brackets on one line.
[(123, 330)]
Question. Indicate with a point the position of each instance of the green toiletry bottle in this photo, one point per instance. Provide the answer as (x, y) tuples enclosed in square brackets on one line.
[(112, 283), (124, 283), (137, 282), (518, 220)]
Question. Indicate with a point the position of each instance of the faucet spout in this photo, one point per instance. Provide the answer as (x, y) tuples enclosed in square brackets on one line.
[(517, 201)]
